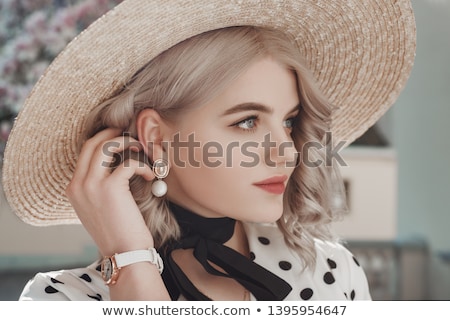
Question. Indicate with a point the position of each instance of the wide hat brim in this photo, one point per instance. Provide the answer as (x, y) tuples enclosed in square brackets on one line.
[(360, 51)]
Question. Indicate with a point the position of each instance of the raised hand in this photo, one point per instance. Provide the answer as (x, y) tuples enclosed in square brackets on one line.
[(101, 195)]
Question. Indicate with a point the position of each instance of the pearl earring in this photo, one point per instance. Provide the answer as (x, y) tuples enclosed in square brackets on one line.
[(161, 170)]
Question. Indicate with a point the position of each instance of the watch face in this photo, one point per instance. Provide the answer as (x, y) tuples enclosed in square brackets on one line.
[(107, 269)]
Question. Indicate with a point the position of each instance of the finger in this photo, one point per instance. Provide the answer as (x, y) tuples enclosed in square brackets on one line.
[(105, 154), (88, 149), (131, 167)]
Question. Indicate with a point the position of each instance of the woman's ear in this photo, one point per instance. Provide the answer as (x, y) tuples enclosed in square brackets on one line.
[(149, 127)]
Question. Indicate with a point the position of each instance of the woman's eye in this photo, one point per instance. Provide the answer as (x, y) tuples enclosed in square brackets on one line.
[(246, 124), (289, 123)]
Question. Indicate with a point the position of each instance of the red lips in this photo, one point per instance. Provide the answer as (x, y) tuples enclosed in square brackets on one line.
[(274, 185)]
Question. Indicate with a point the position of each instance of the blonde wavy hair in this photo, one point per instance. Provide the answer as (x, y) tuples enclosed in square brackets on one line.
[(196, 70)]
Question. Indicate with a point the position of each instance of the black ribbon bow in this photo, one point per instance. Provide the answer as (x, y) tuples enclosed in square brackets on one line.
[(206, 236)]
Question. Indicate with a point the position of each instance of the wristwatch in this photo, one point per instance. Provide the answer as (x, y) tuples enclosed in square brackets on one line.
[(111, 265)]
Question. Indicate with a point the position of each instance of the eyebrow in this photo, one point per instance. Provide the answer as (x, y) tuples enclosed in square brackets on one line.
[(254, 107)]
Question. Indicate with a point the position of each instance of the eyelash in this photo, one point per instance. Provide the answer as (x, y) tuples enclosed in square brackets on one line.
[(255, 118)]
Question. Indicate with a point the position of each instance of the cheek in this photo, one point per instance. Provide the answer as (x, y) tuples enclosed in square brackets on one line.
[(214, 178)]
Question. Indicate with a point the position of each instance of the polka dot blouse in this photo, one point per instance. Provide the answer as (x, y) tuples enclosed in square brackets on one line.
[(337, 274)]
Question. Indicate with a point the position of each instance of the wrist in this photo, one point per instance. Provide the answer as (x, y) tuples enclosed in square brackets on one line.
[(127, 243)]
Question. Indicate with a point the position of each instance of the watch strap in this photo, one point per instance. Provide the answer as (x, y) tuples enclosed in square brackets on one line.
[(131, 257)]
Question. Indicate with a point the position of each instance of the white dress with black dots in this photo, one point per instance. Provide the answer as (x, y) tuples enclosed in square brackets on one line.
[(337, 275)]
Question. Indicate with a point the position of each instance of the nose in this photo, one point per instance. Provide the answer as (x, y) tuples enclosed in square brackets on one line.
[(279, 149)]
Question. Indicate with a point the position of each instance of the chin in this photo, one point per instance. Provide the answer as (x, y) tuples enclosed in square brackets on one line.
[(266, 216)]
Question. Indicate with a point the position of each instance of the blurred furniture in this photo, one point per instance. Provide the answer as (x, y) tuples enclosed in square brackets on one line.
[(395, 270)]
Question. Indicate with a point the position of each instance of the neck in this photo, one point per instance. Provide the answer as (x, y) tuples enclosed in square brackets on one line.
[(238, 241), (211, 261), (216, 288), (224, 230), (194, 226)]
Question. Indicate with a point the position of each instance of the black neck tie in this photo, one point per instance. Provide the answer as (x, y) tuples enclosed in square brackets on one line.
[(206, 236)]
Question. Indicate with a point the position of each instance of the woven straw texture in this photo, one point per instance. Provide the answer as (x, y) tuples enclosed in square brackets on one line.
[(361, 52)]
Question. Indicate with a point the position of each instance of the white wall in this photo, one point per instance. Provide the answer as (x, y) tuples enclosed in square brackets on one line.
[(371, 177)]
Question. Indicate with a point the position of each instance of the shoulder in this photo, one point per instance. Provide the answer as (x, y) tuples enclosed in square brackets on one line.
[(80, 284), (335, 251), (269, 235), (340, 265), (337, 274)]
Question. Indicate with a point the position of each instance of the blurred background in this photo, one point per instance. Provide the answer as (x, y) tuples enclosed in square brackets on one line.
[(398, 178)]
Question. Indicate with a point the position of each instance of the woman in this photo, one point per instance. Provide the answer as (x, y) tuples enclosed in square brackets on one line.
[(198, 143)]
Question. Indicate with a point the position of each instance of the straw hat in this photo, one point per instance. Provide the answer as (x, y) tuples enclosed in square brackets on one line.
[(361, 52)]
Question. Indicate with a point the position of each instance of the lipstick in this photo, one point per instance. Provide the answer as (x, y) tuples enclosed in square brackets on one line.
[(273, 185)]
